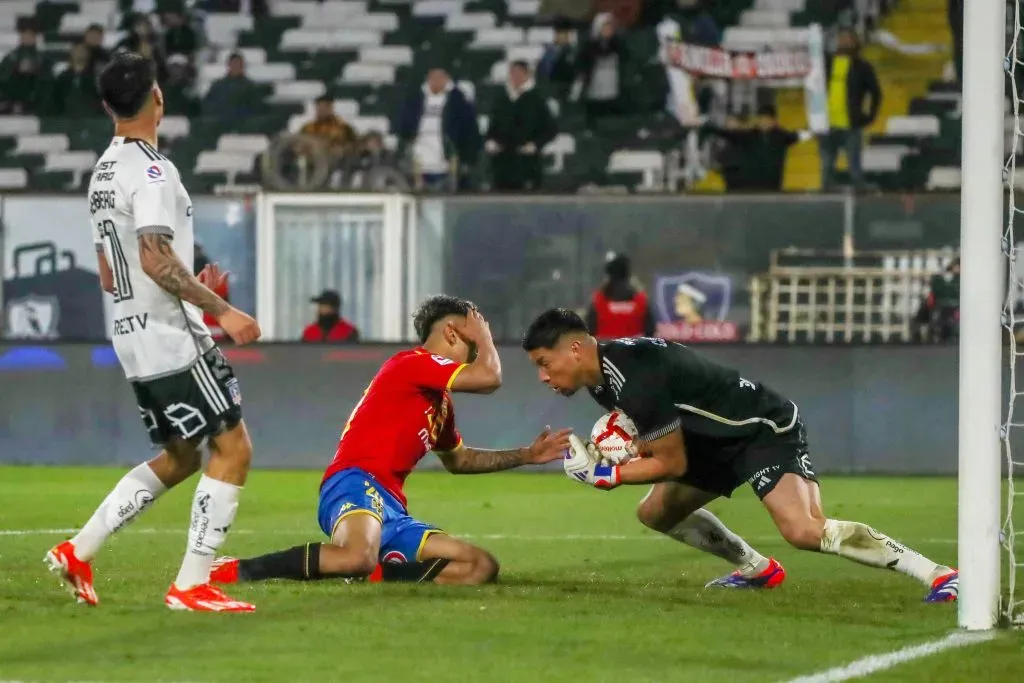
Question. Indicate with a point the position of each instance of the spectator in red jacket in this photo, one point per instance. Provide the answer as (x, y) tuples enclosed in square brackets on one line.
[(619, 308), (329, 325)]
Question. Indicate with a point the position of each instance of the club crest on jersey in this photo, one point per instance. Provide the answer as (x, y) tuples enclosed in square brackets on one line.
[(155, 174), (234, 391), (33, 317), (394, 557)]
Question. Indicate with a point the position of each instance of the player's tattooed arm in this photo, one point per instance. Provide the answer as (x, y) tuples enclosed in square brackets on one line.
[(165, 268), (466, 460)]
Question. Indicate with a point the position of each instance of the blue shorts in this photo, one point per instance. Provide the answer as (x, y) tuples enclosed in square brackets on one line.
[(354, 491)]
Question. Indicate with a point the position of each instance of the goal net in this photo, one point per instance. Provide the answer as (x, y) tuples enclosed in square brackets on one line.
[(1012, 603)]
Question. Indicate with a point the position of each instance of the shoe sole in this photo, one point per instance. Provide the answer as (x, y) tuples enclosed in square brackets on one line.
[(178, 606), (56, 567)]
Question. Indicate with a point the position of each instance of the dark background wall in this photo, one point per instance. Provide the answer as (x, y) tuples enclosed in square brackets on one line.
[(867, 409)]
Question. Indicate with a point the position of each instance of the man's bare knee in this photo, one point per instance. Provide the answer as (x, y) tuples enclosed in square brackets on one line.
[(348, 561), (804, 533)]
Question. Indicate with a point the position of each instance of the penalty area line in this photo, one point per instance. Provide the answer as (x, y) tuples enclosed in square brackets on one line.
[(882, 662)]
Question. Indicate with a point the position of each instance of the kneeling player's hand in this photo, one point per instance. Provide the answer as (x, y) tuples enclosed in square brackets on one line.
[(242, 328), (548, 446), (583, 464)]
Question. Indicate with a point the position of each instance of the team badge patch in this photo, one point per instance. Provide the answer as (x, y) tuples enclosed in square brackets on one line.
[(155, 174), (234, 391)]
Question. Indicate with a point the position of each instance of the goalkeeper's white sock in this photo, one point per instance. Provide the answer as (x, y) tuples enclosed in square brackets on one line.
[(861, 543), (134, 493), (213, 512), (703, 531)]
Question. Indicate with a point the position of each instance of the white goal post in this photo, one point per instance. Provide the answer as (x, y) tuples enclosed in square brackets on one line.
[(983, 285)]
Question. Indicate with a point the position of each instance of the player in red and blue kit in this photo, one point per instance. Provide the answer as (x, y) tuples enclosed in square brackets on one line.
[(405, 412)]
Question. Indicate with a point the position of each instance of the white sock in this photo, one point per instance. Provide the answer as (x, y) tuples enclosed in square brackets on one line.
[(703, 531), (134, 493), (861, 543), (213, 511)]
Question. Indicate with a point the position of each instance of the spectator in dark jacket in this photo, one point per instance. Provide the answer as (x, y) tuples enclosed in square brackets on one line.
[(25, 77), (179, 37), (600, 64), (329, 325), (74, 93), (759, 152), (854, 98), (437, 127), (233, 98), (179, 91), (143, 39), (521, 125), (98, 55), (556, 66)]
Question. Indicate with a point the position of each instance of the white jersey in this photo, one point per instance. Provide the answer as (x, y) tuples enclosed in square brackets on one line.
[(134, 191)]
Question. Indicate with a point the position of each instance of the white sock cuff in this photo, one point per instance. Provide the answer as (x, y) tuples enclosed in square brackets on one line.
[(830, 536), (219, 488), (145, 474)]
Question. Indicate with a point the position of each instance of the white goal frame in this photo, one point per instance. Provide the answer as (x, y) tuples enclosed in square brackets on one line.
[(982, 290), (398, 261)]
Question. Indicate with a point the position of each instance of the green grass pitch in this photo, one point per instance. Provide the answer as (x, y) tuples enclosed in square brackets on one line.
[(586, 593)]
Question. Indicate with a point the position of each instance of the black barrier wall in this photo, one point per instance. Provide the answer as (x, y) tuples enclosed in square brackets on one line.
[(867, 409)]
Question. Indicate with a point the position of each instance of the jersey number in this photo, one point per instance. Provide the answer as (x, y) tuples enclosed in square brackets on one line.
[(119, 264)]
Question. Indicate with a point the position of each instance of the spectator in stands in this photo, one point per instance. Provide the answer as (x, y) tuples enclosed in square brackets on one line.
[(329, 325), (556, 66), (234, 98), (143, 39), (330, 129), (943, 303), (851, 81), (25, 78), (179, 91), (700, 27), (98, 55), (620, 308), (437, 126), (521, 125), (759, 152), (74, 92), (600, 65), (179, 37)]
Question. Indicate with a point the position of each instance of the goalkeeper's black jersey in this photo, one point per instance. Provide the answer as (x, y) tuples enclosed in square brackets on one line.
[(663, 385)]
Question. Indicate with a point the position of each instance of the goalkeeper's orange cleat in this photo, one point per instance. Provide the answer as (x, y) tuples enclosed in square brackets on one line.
[(204, 598), (73, 572)]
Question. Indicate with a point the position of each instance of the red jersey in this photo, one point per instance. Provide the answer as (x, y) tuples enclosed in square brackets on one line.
[(405, 412), (616, 319), (341, 331)]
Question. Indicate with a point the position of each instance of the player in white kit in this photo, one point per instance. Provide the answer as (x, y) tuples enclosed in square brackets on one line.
[(187, 394)]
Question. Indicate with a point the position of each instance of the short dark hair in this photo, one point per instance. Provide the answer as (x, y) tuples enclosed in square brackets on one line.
[(324, 98), (522, 64), (549, 327), (236, 55), (126, 82), (618, 267), (435, 308)]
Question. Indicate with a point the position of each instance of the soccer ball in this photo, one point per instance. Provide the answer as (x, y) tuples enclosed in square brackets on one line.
[(613, 436)]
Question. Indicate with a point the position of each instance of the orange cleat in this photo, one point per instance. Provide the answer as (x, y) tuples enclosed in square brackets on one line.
[(73, 572), (772, 576), (225, 570), (204, 598)]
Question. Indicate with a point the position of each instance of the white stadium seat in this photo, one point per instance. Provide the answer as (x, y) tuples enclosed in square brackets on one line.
[(371, 22), (943, 178), (357, 72), (523, 8), (174, 127), (247, 144), (482, 122), (747, 39), (366, 124), (499, 72), (920, 126), (468, 89), (41, 144), (297, 91), (436, 8), (469, 22), (530, 54), (498, 37), (314, 40), (271, 72), (396, 55), (541, 35), (562, 145), (13, 178), (649, 163), (18, 125), (222, 29), (760, 18), (789, 6), (883, 158), (78, 163), (251, 55), (229, 163)]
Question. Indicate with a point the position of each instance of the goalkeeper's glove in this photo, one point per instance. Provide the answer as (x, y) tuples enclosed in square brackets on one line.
[(604, 477), (583, 463)]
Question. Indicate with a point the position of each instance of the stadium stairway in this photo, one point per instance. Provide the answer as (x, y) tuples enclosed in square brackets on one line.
[(902, 78)]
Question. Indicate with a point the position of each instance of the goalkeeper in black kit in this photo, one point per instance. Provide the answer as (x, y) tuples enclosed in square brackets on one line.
[(704, 430)]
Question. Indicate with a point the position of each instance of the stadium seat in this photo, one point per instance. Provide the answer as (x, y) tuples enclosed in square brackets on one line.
[(13, 125), (299, 92), (222, 29), (243, 144), (530, 54), (41, 144), (13, 178), (395, 55), (650, 164), (482, 121), (436, 8), (498, 37), (378, 21), (563, 145), (366, 124), (272, 72), (314, 14), (78, 163), (315, 40), (883, 158), (469, 22), (468, 89), (357, 72), (174, 127), (229, 163), (526, 9), (540, 35), (499, 72), (761, 18), (789, 6), (747, 39), (918, 126), (251, 55), (943, 178)]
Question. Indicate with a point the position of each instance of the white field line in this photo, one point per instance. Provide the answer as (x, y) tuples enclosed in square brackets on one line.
[(882, 662), (481, 537)]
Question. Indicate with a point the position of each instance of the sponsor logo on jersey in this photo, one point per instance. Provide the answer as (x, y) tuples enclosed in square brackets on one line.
[(33, 317), (693, 306), (155, 174)]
